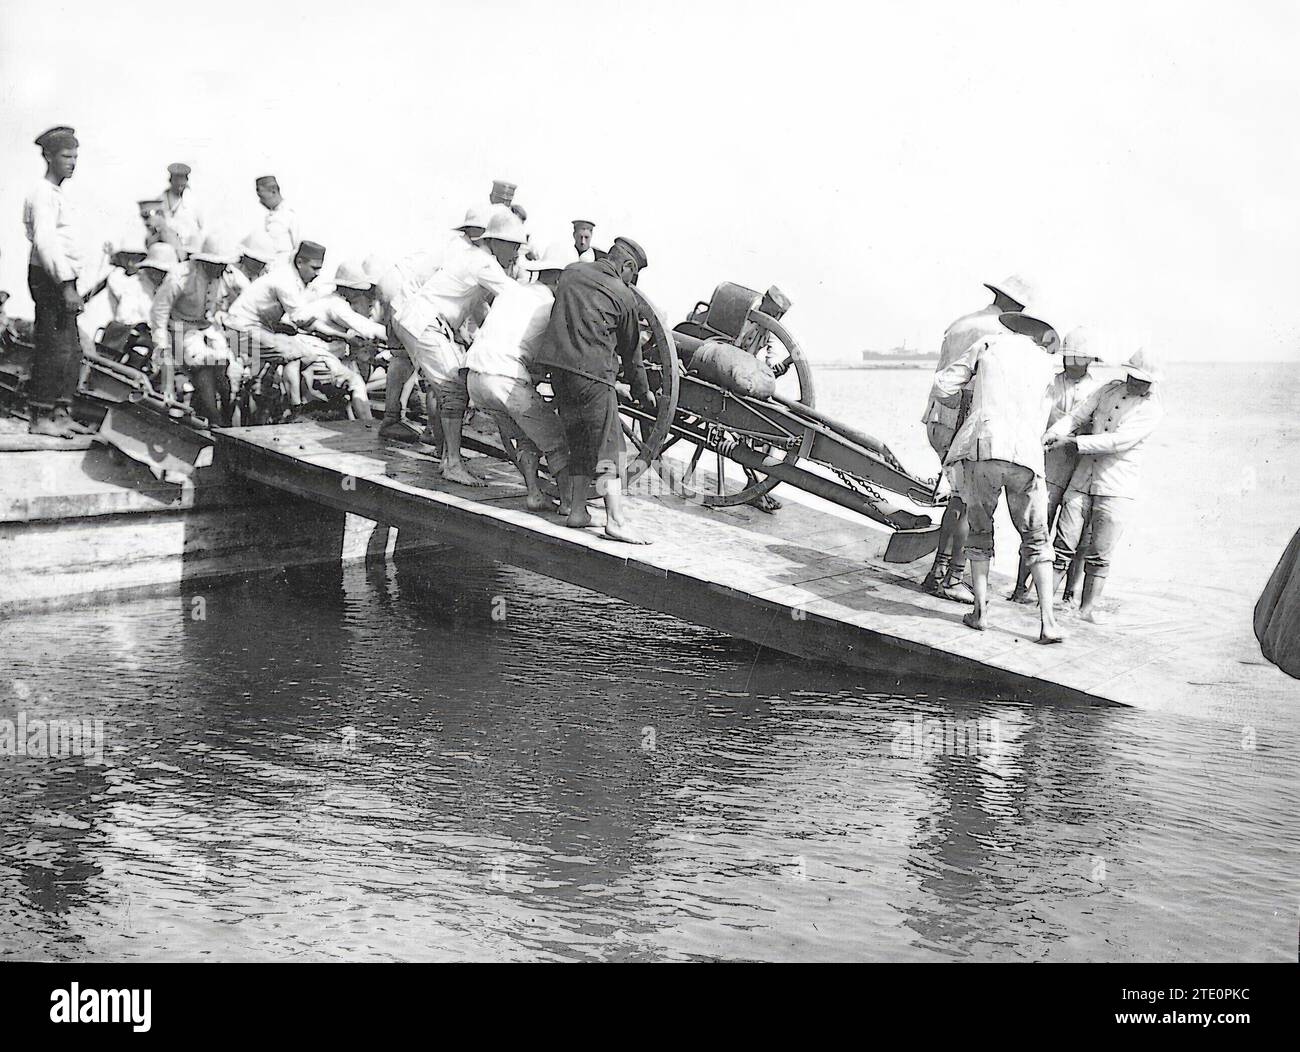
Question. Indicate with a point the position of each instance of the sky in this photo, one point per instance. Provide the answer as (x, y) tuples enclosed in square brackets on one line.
[(879, 161)]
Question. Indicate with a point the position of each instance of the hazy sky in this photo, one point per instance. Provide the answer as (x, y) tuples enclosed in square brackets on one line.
[(877, 160)]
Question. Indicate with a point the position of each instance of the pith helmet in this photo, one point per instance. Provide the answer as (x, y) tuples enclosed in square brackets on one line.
[(1013, 287), (217, 249), (1145, 365), (505, 226), (352, 276)]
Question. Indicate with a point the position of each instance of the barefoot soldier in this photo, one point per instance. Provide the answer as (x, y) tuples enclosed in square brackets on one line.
[(1108, 431), (941, 424), (593, 329), (500, 382), (52, 274), (1000, 448)]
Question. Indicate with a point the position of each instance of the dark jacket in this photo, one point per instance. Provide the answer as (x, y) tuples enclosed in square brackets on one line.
[(593, 328)]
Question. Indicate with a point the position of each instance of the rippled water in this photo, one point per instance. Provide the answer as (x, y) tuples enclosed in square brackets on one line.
[(364, 763)]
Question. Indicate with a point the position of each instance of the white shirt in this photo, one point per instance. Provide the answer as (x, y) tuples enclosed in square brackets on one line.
[(276, 292), (51, 222), (404, 278), (331, 316), (1065, 394), (1113, 427), (187, 299), (282, 229), (183, 217), (467, 274), (512, 334), (960, 336), (1010, 376), (127, 297)]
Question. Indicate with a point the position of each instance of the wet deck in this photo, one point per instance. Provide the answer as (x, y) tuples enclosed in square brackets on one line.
[(801, 581)]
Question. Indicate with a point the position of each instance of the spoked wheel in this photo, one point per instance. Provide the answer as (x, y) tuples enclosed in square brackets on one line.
[(704, 472), (647, 430)]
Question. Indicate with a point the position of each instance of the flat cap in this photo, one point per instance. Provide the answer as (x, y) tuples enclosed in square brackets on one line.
[(502, 192), (584, 222), (779, 299), (265, 179), (57, 138), (634, 250), (178, 169), (311, 250)]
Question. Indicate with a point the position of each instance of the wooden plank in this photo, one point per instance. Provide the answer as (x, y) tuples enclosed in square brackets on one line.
[(800, 582)]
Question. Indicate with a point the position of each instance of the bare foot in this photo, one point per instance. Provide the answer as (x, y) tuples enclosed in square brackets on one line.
[(620, 532), (1048, 636), (1021, 596), (564, 509), (537, 501), (956, 592), (579, 517), (459, 474), (979, 622), (43, 425), (1093, 615)]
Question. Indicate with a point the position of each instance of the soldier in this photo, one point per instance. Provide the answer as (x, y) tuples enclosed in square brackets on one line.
[(1000, 448), (178, 207), (431, 317), (258, 316), (1107, 431), (54, 267), (593, 329), (941, 424), (1070, 387), (500, 380), (281, 220), (183, 318)]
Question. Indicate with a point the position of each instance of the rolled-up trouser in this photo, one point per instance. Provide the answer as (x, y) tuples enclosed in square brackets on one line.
[(589, 413), (1104, 519), (57, 361), (441, 361), (524, 410), (984, 481)]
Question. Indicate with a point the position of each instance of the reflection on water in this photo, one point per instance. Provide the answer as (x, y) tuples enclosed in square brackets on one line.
[(437, 759)]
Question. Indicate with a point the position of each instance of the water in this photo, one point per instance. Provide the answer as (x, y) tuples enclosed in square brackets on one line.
[(365, 763)]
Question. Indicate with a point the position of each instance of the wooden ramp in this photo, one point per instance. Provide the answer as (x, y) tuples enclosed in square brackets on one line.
[(802, 581)]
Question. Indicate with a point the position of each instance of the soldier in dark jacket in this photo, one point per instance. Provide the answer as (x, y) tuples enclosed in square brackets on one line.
[(593, 330)]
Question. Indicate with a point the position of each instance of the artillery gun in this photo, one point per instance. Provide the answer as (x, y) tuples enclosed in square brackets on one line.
[(733, 446), (720, 443)]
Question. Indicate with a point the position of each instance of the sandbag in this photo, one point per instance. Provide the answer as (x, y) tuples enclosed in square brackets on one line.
[(1277, 614), (732, 369)]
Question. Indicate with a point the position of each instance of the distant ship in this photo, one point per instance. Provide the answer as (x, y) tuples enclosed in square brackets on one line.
[(904, 353)]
